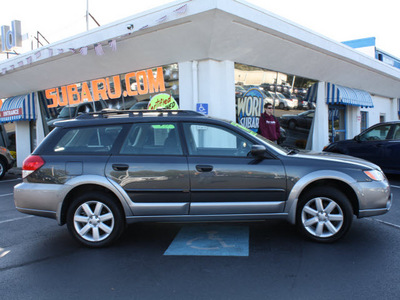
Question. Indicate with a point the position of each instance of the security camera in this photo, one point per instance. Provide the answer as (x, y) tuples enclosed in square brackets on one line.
[(129, 26)]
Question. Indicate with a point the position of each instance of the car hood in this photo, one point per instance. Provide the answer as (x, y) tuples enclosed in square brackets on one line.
[(328, 156)]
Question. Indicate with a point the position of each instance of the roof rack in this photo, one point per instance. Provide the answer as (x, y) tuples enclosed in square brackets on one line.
[(115, 113)]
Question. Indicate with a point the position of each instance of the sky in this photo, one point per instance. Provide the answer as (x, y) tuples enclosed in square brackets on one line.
[(340, 20)]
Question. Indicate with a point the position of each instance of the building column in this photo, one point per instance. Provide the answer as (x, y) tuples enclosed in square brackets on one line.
[(353, 121), (320, 133), (39, 122), (394, 109), (211, 82), (22, 133)]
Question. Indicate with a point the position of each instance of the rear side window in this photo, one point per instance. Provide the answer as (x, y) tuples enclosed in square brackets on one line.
[(152, 139), (88, 140)]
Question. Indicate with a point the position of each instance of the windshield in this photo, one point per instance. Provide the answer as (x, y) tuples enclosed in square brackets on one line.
[(67, 112), (280, 96), (264, 140)]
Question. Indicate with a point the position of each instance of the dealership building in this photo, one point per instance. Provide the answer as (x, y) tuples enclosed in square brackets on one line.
[(200, 52)]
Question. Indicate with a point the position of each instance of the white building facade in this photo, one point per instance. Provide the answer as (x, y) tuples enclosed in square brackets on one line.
[(206, 45)]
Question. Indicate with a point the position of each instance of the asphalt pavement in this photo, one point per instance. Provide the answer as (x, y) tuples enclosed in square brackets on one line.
[(246, 260)]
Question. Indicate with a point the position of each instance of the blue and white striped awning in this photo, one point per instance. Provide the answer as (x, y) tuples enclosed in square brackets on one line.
[(312, 93), (19, 108), (337, 94)]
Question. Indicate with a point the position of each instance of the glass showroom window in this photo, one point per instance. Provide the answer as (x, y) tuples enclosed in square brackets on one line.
[(287, 93), (122, 92)]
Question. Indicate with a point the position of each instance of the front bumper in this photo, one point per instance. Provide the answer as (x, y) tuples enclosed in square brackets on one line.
[(376, 212), (375, 198)]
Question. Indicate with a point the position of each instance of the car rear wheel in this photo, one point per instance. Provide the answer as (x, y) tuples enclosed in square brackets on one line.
[(95, 220), (3, 168), (324, 214)]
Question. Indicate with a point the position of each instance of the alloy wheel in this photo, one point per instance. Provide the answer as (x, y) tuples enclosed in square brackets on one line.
[(93, 221), (322, 217)]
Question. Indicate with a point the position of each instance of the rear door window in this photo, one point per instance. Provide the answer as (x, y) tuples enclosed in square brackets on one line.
[(152, 139)]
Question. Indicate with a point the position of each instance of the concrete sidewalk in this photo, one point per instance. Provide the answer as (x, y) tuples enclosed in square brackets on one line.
[(15, 171)]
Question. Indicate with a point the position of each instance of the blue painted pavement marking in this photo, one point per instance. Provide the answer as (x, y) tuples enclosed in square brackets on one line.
[(211, 240)]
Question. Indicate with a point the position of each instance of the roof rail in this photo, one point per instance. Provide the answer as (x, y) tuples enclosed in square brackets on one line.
[(115, 113)]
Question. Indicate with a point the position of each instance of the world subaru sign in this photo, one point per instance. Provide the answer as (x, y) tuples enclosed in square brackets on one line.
[(249, 109), (11, 37)]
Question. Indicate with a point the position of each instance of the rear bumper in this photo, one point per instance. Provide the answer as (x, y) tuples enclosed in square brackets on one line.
[(43, 200)]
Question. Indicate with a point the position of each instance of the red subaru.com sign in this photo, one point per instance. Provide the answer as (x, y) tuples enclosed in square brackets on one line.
[(11, 113)]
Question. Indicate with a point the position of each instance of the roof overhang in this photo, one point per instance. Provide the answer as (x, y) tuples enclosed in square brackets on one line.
[(216, 29)]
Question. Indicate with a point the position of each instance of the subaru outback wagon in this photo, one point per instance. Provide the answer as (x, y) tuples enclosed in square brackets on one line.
[(101, 171)]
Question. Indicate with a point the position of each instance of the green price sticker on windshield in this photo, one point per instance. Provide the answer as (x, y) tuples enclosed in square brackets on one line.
[(163, 101)]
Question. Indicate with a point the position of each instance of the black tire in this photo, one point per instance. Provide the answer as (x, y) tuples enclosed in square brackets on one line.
[(292, 124), (3, 168), (95, 219), (324, 214), (281, 106)]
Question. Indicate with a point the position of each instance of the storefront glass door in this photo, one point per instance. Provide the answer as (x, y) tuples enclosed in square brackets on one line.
[(337, 123)]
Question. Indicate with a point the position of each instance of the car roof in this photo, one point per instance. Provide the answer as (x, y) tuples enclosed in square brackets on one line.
[(131, 116)]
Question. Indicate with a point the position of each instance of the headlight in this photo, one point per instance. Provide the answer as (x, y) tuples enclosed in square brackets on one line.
[(375, 175)]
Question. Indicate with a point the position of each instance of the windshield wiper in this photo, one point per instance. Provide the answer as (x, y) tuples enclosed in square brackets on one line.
[(292, 150)]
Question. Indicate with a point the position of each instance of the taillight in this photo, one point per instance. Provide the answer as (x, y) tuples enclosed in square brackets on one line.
[(31, 164)]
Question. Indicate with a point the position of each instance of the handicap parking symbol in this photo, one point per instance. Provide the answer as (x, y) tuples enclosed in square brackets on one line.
[(211, 240), (202, 108)]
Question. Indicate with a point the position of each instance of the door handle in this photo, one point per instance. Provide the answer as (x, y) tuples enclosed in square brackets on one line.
[(204, 168), (120, 167)]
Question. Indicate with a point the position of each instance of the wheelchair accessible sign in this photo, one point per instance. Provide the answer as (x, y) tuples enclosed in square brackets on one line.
[(202, 108)]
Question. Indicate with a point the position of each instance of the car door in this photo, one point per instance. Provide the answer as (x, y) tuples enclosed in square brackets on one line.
[(152, 169), (371, 144), (308, 119), (224, 179), (389, 161)]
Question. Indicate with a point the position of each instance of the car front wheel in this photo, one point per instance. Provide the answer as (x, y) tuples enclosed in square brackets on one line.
[(324, 214), (95, 220)]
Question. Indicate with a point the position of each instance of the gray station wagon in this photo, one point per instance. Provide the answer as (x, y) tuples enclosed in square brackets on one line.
[(101, 171)]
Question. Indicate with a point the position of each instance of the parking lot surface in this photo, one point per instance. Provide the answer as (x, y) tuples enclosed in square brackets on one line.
[(246, 260)]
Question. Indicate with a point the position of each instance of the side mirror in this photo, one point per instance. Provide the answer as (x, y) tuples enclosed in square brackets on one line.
[(357, 138), (258, 150)]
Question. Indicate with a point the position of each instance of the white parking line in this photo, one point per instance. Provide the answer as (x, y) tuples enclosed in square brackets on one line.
[(4, 195), (15, 219), (395, 186), (8, 180), (387, 223)]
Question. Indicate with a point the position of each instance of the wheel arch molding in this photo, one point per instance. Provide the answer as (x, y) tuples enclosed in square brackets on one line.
[(96, 184), (339, 180)]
